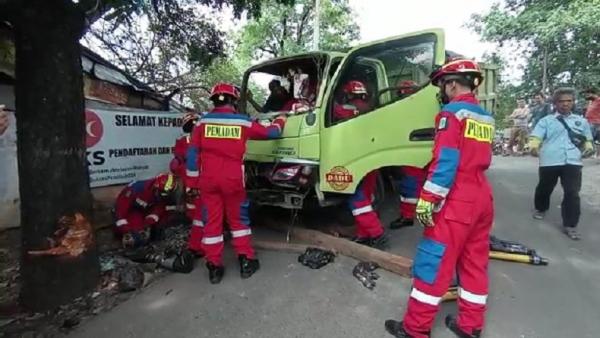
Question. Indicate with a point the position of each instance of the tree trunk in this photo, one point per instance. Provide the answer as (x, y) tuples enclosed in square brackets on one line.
[(53, 172), (545, 71)]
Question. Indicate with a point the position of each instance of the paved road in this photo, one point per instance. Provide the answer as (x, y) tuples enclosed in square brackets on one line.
[(286, 299)]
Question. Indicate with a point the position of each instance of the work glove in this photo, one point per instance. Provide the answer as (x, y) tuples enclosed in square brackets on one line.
[(192, 192), (425, 212), (588, 149), (534, 146)]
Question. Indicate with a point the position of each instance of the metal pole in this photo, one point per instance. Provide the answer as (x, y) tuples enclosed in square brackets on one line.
[(316, 28)]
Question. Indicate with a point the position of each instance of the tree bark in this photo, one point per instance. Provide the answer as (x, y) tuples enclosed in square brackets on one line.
[(54, 179)]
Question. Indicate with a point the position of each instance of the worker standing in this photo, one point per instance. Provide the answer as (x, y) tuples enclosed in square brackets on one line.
[(456, 208), (369, 230), (409, 186), (219, 140), (411, 178)]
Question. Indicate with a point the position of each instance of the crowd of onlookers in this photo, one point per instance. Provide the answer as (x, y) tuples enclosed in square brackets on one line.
[(525, 117), (561, 138)]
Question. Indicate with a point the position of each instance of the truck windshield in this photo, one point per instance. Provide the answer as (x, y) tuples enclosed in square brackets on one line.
[(285, 86), (388, 72)]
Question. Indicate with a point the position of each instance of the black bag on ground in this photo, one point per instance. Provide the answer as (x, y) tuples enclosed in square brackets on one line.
[(316, 258)]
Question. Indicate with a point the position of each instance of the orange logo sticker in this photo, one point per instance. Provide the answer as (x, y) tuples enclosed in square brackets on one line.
[(339, 178)]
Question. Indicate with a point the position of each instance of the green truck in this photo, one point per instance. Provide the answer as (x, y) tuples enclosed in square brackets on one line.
[(320, 159)]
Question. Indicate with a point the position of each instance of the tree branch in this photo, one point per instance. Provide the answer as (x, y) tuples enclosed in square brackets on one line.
[(302, 24)]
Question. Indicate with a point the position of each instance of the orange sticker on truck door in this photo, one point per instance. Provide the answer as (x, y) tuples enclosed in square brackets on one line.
[(339, 178)]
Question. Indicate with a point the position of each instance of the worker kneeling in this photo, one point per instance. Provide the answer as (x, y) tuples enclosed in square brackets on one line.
[(219, 140), (144, 206), (456, 208)]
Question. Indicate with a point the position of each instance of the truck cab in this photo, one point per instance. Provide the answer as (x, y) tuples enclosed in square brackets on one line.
[(321, 157)]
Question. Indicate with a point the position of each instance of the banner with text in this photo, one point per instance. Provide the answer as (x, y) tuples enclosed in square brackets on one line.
[(125, 146)]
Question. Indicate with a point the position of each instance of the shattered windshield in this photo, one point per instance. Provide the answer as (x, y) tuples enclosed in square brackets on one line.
[(289, 86)]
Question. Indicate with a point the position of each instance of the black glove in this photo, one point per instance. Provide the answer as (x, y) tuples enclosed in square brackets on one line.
[(316, 258), (365, 273)]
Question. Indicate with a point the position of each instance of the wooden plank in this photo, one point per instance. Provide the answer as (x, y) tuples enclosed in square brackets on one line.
[(393, 263)]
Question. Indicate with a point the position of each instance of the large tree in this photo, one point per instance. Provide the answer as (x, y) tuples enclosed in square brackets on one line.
[(284, 29), (560, 39), (50, 130)]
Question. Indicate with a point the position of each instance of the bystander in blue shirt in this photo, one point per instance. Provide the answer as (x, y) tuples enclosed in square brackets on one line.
[(556, 147)]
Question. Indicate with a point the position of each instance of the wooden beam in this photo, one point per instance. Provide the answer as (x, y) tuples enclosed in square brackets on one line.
[(393, 263)]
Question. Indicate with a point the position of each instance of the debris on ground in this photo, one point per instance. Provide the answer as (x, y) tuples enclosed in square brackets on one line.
[(365, 273), (316, 258), (121, 278)]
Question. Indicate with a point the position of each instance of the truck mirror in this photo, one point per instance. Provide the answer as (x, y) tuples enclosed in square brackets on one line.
[(311, 118)]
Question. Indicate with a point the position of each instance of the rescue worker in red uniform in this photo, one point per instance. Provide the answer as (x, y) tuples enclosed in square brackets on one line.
[(143, 206), (456, 208), (219, 139), (409, 186), (181, 145), (369, 230), (193, 203), (354, 101), (411, 178)]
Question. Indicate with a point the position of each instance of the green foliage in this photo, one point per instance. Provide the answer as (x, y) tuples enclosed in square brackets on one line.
[(565, 32), (284, 30)]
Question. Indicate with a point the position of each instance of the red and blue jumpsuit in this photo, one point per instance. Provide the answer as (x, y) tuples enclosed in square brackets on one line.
[(367, 221), (409, 186), (193, 204), (219, 140), (459, 241), (138, 207)]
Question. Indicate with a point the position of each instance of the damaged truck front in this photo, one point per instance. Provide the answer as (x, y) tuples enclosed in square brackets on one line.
[(324, 159)]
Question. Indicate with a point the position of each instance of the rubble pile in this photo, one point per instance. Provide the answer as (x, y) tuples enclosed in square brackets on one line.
[(120, 278)]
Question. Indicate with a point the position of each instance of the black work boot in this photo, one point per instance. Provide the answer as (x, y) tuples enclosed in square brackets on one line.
[(453, 326), (402, 222), (215, 273), (379, 242), (396, 329), (361, 240), (248, 266)]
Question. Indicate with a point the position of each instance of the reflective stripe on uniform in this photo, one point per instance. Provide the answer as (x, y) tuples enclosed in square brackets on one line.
[(153, 217), (362, 210), (435, 189), (230, 122), (141, 202), (121, 222), (192, 173), (171, 207), (408, 200), (472, 297), (190, 206), (197, 223), (425, 298), (212, 240), (241, 233), (464, 114)]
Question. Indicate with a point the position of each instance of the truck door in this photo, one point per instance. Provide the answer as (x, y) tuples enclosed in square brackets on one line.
[(393, 122)]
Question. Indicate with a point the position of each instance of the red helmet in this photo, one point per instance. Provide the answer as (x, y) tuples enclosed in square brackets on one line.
[(355, 87), (187, 117), (406, 87), (468, 69), (223, 89), (165, 184)]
